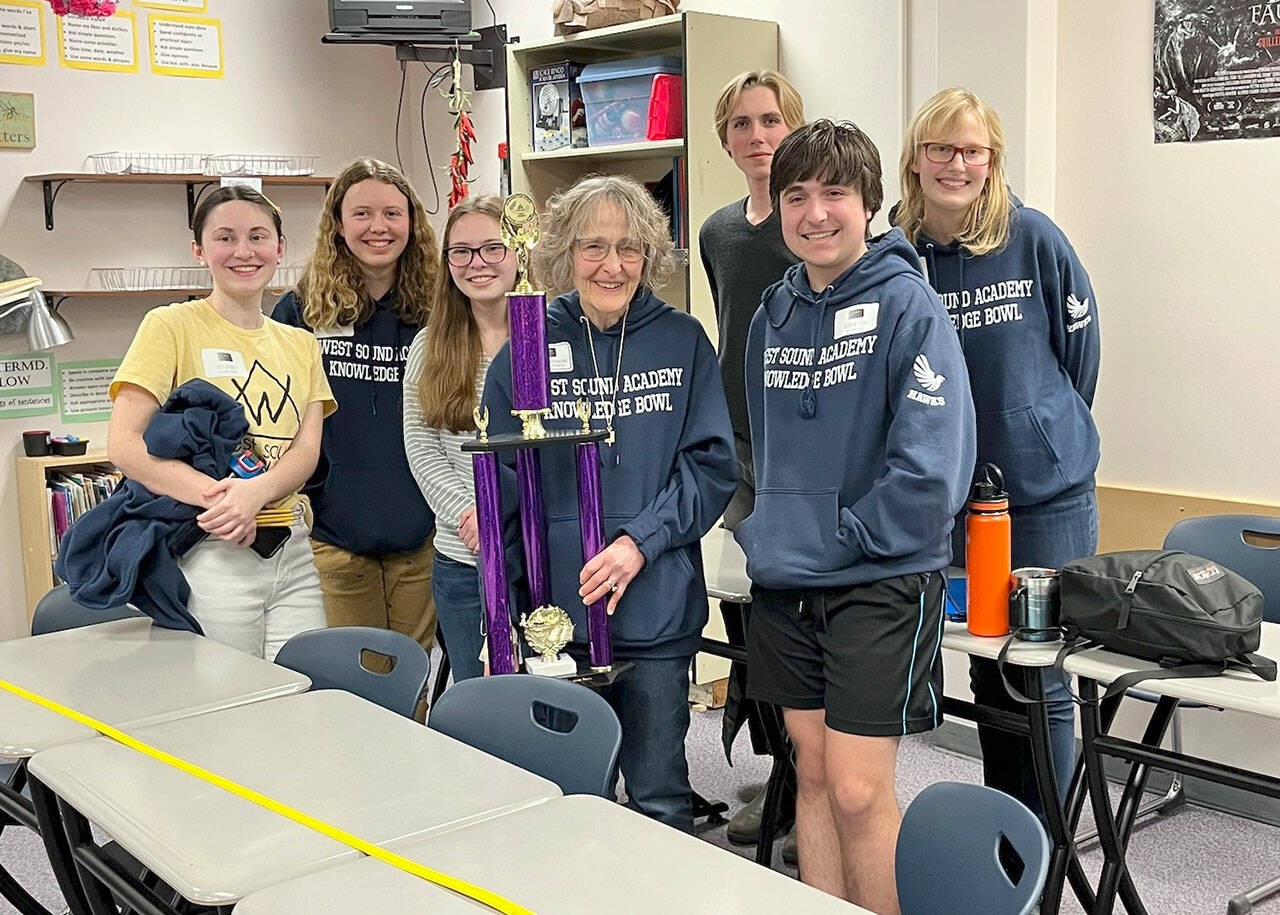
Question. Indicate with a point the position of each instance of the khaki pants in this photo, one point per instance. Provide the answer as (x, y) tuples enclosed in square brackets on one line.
[(390, 591)]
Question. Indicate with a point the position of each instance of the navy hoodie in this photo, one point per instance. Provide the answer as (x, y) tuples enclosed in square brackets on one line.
[(363, 494), (1028, 324), (666, 479), (122, 551), (861, 426)]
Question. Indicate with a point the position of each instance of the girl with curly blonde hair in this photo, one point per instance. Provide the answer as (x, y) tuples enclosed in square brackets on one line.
[(365, 294)]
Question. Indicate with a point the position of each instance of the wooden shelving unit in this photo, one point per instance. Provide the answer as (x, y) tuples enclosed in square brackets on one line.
[(53, 182), (33, 515), (713, 49)]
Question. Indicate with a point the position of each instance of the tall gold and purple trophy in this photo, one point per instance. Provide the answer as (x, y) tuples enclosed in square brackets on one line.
[(547, 628)]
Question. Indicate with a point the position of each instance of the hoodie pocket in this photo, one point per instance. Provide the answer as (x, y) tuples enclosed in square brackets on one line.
[(792, 536), (1016, 442)]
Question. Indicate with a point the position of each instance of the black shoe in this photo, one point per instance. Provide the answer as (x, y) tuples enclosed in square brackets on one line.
[(744, 826), (789, 853)]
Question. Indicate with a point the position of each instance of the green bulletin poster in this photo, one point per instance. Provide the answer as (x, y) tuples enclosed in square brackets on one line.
[(26, 385), (84, 390)]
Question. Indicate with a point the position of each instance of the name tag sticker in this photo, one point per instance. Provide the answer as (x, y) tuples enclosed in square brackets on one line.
[(223, 363), (345, 330), (857, 319), (561, 357)]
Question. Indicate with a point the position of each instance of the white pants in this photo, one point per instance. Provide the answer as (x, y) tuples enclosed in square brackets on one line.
[(251, 603)]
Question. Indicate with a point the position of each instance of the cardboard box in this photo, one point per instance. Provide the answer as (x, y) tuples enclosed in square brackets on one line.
[(558, 117)]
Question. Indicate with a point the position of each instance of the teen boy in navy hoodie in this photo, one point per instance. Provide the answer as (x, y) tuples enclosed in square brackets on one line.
[(862, 428)]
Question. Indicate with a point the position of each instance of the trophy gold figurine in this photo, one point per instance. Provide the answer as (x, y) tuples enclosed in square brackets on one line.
[(527, 318)]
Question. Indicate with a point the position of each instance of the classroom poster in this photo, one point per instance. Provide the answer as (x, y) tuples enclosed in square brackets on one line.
[(91, 43), (26, 385), (1217, 70), (188, 6), (185, 46), (84, 390), (22, 32), (17, 120)]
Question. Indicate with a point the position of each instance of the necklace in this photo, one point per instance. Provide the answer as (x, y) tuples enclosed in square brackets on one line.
[(617, 372)]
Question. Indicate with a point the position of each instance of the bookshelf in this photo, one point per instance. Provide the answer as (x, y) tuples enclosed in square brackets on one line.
[(33, 514), (713, 49)]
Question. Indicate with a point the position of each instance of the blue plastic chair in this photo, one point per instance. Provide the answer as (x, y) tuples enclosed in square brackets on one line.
[(949, 857), (333, 659), (57, 611), (559, 730)]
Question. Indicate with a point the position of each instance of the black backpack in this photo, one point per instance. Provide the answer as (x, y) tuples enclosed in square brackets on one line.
[(1190, 615)]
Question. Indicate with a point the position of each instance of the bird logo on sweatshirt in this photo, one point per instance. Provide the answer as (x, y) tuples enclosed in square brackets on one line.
[(926, 377), (1076, 308)]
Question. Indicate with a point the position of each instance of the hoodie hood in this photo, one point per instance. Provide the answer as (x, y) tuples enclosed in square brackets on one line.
[(566, 311)]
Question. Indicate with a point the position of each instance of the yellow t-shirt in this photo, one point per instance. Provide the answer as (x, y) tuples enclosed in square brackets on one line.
[(274, 371)]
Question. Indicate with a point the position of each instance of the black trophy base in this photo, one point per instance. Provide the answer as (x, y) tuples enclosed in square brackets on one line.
[(599, 678), (515, 441)]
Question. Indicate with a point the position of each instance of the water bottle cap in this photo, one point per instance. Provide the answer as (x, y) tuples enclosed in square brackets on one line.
[(989, 485)]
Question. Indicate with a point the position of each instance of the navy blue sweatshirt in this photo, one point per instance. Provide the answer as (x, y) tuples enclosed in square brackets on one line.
[(363, 494), (122, 551), (1028, 324), (861, 426), (666, 479)]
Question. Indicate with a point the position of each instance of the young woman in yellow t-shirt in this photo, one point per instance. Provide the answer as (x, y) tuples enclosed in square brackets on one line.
[(274, 371)]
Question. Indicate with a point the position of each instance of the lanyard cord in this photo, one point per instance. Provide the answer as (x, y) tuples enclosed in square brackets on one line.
[(617, 371)]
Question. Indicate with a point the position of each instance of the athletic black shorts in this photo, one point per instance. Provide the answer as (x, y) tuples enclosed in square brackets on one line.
[(868, 654)]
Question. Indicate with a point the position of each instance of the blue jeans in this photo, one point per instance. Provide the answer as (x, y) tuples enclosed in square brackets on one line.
[(456, 587), (652, 702), (1050, 534)]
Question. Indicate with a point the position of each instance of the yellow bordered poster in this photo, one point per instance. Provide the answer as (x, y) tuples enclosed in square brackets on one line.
[(186, 6), (185, 46), (93, 43), (22, 32)]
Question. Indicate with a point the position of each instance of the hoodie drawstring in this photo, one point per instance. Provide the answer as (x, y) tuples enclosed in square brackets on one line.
[(809, 397)]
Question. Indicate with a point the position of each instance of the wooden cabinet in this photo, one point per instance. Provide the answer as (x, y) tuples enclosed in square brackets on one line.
[(33, 515), (713, 49)]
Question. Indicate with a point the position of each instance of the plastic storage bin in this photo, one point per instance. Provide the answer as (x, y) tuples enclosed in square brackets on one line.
[(630, 101)]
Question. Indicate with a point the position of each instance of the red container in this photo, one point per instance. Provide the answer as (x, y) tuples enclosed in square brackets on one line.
[(666, 108)]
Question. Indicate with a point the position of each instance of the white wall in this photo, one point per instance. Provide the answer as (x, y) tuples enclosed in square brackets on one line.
[(283, 93), (1176, 238)]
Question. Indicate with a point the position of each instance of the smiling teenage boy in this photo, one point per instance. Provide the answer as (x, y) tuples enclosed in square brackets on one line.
[(862, 429)]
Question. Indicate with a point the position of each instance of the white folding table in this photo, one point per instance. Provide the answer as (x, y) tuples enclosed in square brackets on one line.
[(576, 855), (329, 754)]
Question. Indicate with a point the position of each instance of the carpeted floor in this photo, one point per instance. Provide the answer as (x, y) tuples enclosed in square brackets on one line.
[(1187, 864)]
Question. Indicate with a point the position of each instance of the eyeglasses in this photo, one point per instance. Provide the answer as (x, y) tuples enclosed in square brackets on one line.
[(943, 153), (630, 251), (494, 252)]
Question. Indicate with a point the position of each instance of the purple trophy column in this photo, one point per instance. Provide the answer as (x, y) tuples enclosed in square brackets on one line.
[(533, 525), (591, 519), (530, 366), (493, 570)]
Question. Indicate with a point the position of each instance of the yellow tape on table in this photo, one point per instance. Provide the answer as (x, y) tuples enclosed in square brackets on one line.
[(479, 894)]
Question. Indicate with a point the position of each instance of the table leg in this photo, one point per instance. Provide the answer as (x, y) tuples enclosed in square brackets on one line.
[(56, 845), (1062, 854)]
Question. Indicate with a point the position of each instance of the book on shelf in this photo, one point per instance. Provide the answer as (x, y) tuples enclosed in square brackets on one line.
[(71, 494)]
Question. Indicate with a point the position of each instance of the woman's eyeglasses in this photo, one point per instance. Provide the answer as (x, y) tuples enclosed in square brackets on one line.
[(942, 153), (629, 250), (462, 255)]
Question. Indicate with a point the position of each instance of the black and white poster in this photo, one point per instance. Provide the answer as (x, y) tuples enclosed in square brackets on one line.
[(1217, 70)]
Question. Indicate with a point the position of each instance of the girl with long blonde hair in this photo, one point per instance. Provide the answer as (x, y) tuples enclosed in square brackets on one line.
[(365, 293), (444, 378), (1027, 319)]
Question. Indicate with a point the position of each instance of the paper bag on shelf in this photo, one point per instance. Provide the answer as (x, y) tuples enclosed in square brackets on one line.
[(572, 16)]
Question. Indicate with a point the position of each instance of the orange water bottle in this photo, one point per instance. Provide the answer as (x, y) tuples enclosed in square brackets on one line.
[(987, 554)]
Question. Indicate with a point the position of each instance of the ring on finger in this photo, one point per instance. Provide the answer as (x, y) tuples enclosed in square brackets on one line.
[(613, 585)]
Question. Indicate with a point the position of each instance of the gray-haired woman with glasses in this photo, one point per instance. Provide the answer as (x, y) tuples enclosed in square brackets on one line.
[(444, 376), (650, 376), (1027, 319)]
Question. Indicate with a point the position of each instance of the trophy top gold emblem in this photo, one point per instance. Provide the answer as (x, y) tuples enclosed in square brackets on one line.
[(547, 630), (520, 233)]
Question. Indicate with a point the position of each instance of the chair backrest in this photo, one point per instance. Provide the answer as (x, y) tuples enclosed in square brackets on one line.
[(1222, 539), (333, 659), (57, 611), (949, 853), (553, 728)]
